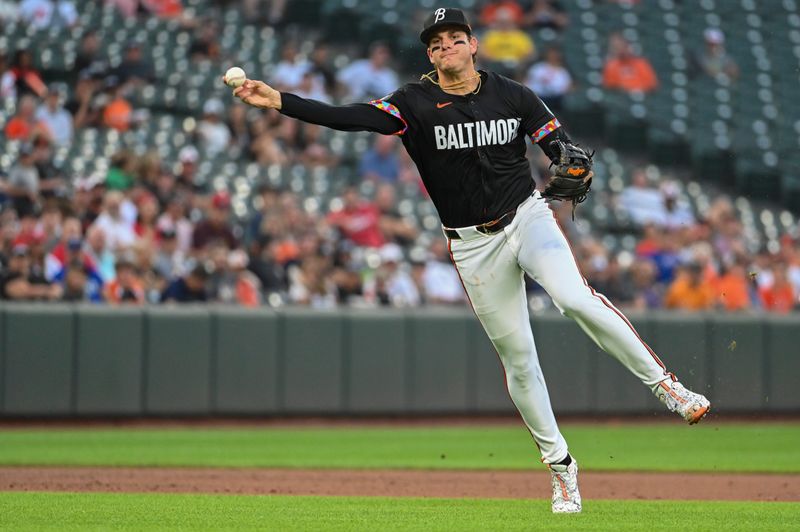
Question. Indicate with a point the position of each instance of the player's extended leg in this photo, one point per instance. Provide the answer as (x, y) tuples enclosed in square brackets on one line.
[(494, 284), (545, 254)]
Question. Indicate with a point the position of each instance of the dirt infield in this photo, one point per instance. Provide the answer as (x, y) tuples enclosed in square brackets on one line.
[(399, 483)]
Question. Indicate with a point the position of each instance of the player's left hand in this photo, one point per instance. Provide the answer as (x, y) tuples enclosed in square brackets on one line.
[(573, 173)]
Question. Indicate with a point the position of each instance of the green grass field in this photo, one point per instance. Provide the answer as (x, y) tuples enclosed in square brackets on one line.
[(653, 447), (83, 512)]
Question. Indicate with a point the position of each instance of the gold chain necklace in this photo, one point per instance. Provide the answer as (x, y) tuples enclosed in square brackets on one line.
[(456, 85)]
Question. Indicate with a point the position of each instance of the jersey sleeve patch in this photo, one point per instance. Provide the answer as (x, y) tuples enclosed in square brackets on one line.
[(545, 130), (392, 109)]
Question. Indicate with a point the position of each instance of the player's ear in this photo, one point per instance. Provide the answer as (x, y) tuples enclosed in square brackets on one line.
[(430, 54), (473, 45)]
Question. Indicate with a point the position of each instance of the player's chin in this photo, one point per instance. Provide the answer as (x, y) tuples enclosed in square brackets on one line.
[(449, 64)]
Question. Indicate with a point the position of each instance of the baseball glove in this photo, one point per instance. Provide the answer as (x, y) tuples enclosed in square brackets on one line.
[(572, 176)]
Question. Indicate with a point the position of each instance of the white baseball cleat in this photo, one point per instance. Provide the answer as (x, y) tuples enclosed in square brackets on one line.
[(566, 497), (689, 405)]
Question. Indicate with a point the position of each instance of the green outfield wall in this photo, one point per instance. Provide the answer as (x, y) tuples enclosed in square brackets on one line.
[(88, 361)]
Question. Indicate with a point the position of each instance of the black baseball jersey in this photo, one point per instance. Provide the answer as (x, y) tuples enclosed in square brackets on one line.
[(470, 149)]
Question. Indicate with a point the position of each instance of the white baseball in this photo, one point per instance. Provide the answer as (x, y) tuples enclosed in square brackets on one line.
[(235, 77)]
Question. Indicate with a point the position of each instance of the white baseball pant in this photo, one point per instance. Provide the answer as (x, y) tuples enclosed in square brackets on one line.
[(492, 269)]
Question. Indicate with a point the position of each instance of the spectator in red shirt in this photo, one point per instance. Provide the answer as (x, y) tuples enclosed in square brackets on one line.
[(779, 296), (30, 231), (358, 220), (650, 244), (626, 71)]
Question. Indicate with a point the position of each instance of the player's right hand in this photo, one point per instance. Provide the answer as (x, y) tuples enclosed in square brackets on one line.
[(258, 94)]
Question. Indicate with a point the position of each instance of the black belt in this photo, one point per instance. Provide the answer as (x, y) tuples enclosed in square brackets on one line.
[(489, 228)]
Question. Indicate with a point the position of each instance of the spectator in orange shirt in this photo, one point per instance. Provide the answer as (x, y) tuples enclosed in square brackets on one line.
[(118, 114), (689, 291), (127, 287), (627, 71), (779, 296), (159, 8), (246, 284), (163, 8), (489, 12), (23, 126), (732, 289)]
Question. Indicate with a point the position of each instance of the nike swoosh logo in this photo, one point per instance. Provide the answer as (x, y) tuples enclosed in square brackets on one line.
[(440, 105)]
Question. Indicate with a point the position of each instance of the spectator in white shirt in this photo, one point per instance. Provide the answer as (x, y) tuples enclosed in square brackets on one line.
[(119, 231), (288, 73), (677, 211), (440, 279), (550, 79), (370, 78), (43, 14), (309, 89), (400, 289), (55, 118), (642, 202), (663, 207), (213, 131), (8, 82), (793, 273)]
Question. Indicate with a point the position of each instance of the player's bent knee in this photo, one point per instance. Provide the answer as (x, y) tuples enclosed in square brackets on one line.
[(517, 345), (520, 375), (572, 303)]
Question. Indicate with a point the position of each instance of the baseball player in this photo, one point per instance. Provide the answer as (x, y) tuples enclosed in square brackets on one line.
[(465, 129)]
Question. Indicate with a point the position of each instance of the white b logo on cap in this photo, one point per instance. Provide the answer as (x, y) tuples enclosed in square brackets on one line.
[(439, 15)]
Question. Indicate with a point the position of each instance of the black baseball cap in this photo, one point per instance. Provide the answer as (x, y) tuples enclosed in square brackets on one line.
[(444, 16)]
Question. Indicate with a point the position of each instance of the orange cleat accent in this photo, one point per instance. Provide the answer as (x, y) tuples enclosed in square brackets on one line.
[(699, 414)]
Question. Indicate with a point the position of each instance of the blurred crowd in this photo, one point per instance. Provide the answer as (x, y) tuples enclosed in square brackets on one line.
[(148, 231), (690, 263)]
